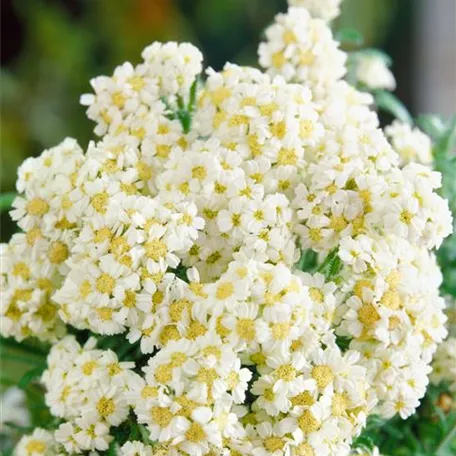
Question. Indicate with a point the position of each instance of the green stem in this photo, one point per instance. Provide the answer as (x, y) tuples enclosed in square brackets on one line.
[(23, 429), (440, 451), (23, 346)]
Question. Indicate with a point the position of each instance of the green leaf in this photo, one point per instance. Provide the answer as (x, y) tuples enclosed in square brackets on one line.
[(350, 35), (134, 432), (432, 125), (6, 200), (185, 120), (331, 265), (445, 447), (308, 261), (447, 141), (126, 349), (19, 358), (343, 342), (28, 347), (326, 262), (145, 436), (180, 103), (31, 375), (192, 98), (112, 450), (364, 442), (388, 102), (335, 266), (22, 429)]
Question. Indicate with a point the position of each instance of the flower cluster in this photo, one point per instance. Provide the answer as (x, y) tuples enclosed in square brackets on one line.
[(186, 230), (373, 72), (323, 9), (33, 263), (40, 442), (411, 144), (304, 390), (88, 388), (444, 364), (302, 49), (120, 258)]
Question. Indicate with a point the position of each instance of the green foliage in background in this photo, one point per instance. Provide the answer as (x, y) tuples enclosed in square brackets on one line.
[(62, 51), (431, 431)]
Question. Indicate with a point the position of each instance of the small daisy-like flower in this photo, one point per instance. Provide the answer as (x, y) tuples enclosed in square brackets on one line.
[(39, 443)]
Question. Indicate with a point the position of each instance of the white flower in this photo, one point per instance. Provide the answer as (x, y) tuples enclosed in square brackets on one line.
[(412, 145), (356, 252), (196, 435), (403, 405), (14, 410), (135, 448), (65, 435), (92, 436), (324, 9), (443, 364), (373, 71), (39, 443), (302, 49)]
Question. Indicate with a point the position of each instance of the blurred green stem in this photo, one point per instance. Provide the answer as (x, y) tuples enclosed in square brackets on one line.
[(6, 200), (442, 448)]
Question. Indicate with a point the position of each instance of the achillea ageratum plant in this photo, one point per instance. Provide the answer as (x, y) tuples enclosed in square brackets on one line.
[(240, 264)]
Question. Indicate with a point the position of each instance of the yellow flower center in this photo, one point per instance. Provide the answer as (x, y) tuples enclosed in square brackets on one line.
[(195, 433), (304, 398), (88, 367), (161, 415), (37, 207), (224, 290), (35, 446), (105, 283), (316, 295), (273, 444), (105, 407), (323, 375), (246, 329), (307, 422), (286, 372), (368, 315), (58, 252), (156, 249), (280, 331), (99, 202)]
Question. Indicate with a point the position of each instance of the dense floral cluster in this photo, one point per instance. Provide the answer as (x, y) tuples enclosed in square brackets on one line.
[(444, 364), (302, 49), (88, 388), (411, 144), (184, 229)]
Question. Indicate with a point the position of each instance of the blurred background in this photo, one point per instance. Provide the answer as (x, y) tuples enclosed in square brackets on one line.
[(50, 49)]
